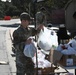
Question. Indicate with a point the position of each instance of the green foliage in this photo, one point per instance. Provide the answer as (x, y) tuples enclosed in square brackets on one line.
[(15, 7), (60, 3), (12, 11), (2, 13)]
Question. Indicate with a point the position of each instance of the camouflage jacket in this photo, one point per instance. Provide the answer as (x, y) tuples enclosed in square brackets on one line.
[(20, 36)]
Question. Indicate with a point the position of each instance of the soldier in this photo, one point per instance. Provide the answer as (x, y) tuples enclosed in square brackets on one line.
[(62, 34), (40, 19), (24, 64)]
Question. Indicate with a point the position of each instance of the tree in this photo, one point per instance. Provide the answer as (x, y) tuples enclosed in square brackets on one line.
[(60, 3), (2, 13), (18, 6), (21, 4), (12, 11)]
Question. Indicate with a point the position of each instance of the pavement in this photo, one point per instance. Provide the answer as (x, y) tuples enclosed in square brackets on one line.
[(7, 61), (9, 22)]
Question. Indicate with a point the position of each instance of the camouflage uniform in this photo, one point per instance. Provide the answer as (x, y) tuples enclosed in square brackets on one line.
[(40, 18), (24, 64)]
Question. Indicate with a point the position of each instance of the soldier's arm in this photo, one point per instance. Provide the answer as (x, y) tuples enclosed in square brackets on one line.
[(36, 31), (17, 42)]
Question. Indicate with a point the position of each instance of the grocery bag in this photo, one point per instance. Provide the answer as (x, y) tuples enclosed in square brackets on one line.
[(47, 38), (29, 50)]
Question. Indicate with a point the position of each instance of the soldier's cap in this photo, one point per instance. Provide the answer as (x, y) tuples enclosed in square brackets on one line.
[(25, 16)]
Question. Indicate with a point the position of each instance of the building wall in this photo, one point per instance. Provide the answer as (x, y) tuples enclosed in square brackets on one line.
[(58, 16), (69, 21)]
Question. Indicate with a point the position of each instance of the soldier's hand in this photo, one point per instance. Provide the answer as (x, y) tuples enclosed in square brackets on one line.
[(41, 26), (29, 41)]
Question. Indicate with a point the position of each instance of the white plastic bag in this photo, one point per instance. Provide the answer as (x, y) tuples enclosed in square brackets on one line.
[(73, 43), (42, 62), (30, 50), (68, 51), (47, 38)]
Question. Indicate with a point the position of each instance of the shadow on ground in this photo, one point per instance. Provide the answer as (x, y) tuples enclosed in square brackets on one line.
[(13, 25)]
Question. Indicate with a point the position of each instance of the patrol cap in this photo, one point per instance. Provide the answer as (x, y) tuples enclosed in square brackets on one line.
[(25, 16)]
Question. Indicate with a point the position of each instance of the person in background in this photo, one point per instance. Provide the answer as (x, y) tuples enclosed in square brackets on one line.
[(24, 64), (62, 34), (40, 20)]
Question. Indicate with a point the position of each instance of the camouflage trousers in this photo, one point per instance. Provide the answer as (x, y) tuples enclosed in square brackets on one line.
[(25, 69)]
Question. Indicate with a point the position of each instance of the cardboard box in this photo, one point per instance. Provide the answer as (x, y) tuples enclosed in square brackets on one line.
[(55, 56), (68, 60), (45, 71)]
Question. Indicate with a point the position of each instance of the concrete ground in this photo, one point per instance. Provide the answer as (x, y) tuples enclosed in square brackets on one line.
[(7, 62)]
